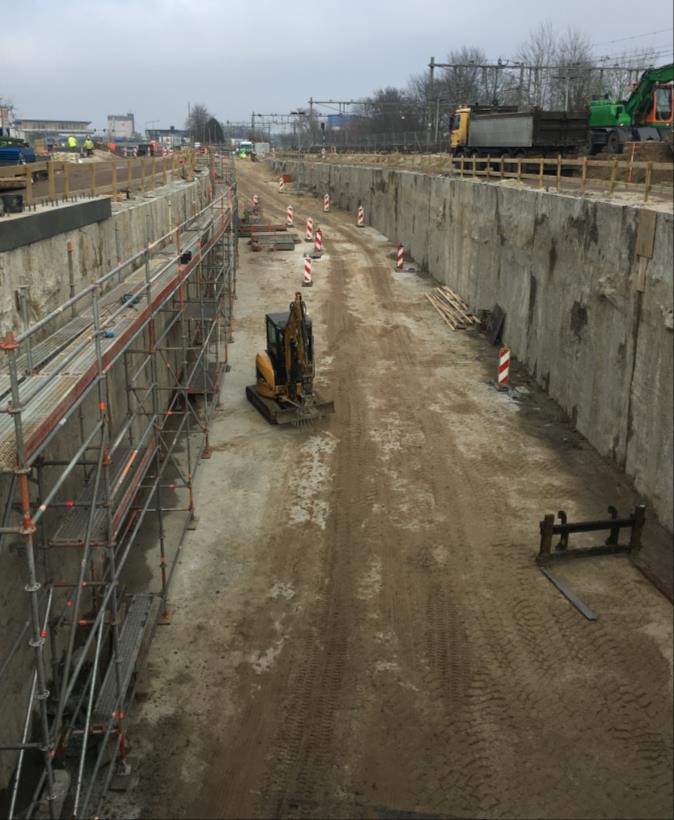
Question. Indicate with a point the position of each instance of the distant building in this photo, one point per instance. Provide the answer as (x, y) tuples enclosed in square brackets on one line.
[(34, 128), (6, 120), (337, 121), (121, 126), (170, 137)]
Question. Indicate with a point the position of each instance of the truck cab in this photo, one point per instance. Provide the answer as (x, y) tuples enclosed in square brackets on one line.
[(458, 129)]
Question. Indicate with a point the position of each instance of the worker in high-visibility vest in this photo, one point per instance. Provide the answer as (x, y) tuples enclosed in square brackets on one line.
[(88, 147), (72, 142)]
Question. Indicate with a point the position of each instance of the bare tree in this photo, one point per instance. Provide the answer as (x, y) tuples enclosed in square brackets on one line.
[(571, 84), (197, 122), (390, 110), (538, 51), (615, 78)]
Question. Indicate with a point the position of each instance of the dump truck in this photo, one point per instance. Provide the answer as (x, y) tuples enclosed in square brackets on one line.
[(645, 115), (515, 133)]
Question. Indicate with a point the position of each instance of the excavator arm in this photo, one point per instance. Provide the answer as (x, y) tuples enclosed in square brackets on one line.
[(296, 343)]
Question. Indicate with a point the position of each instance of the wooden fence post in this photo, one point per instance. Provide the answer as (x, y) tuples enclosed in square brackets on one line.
[(142, 174), (66, 180), (519, 169), (114, 178), (153, 163), (129, 175), (614, 169), (51, 182), (559, 171), (583, 179), (541, 168), (29, 185), (649, 180)]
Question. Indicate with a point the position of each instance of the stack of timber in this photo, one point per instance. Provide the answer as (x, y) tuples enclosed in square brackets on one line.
[(249, 230), (452, 309)]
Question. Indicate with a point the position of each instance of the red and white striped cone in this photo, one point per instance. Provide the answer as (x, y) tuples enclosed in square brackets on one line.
[(318, 244), (281, 185), (306, 280), (289, 216), (503, 367), (400, 257), (326, 203), (360, 221), (309, 233)]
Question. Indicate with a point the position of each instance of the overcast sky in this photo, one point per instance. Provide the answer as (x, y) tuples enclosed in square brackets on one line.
[(85, 60)]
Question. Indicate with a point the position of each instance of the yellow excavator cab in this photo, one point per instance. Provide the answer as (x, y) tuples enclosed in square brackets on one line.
[(284, 387)]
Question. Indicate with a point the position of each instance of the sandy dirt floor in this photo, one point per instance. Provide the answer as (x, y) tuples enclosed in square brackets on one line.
[(359, 627)]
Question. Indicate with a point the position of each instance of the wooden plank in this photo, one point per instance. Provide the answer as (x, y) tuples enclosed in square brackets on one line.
[(646, 233), (443, 308), (440, 313), (460, 307), (450, 309)]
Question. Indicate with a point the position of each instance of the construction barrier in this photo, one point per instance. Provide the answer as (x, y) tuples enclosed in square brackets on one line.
[(360, 221), (318, 244), (326, 203), (281, 185), (400, 257), (306, 280), (503, 366), (289, 216), (309, 233)]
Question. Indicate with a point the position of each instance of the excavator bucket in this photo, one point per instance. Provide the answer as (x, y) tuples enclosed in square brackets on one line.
[(287, 412)]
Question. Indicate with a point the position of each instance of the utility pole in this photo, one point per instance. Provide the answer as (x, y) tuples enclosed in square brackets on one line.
[(252, 127), (431, 70)]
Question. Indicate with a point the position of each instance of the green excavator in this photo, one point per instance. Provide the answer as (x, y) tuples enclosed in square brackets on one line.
[(645, 115)]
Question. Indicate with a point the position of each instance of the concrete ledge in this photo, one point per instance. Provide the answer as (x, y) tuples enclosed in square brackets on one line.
[(24, 229)]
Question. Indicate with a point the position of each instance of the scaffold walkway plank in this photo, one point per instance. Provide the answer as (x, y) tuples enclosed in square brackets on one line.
[(130, 641)]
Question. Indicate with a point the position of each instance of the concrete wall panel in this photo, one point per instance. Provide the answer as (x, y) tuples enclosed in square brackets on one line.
[(564, 268)]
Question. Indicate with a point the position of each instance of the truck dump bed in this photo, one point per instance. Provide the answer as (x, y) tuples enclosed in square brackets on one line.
[(549, 130)]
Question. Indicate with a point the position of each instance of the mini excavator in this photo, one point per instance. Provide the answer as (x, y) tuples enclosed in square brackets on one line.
[(284, 390)]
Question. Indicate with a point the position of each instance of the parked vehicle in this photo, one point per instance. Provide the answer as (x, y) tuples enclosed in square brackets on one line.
[(645, 115), (513, 133)]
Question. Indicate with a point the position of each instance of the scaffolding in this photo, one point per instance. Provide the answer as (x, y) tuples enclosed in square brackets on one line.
[(104, 418)]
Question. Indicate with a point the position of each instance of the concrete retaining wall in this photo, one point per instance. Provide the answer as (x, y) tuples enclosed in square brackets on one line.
[(97, 248), (564, 268)]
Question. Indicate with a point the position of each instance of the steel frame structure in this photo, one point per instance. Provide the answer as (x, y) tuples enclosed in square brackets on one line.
[(157, 327)]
